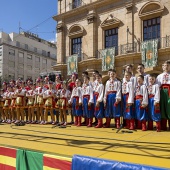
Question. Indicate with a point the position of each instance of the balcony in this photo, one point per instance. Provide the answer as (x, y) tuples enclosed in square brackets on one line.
[(135, 47), (76, 4)]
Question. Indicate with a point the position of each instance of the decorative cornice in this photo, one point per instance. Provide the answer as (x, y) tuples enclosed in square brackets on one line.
[(91, 17), (75, 31), (151, 9), (110, 22), (129, 7), (60, 27), (83, 8)]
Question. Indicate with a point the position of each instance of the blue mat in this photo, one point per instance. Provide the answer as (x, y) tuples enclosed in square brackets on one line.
[(89, 163)]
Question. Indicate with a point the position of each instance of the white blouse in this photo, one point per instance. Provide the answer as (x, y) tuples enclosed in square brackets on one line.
[(99, 88), (65, 93), (30, 94), (142, 90), (128, 87), (88, 90), (163, 78), (154, 90), (113, 85), (76, 93), (48, 94)]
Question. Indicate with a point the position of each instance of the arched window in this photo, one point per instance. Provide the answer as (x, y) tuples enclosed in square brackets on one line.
[(150, 15), (76, 34)]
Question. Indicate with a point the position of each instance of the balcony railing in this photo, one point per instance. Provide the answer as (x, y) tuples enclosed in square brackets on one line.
[(135, 47), (76, 4), (128, 48)]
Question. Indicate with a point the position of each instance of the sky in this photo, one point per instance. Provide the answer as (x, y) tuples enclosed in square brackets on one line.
[(29, 13)]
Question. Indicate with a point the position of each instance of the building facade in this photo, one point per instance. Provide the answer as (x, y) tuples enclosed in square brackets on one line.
[(87, 27), (25, 56)]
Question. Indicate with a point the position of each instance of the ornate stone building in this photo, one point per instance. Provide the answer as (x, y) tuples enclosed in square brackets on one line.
[(86, 27)]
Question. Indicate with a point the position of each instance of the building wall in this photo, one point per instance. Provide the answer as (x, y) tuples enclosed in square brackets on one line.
[(22, 61), (127, 13)]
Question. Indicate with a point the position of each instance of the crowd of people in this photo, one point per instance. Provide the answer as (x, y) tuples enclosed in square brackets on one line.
[(140, 100)]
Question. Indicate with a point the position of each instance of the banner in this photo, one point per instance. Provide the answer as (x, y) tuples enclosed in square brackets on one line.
[(28, 160), (72, 64), (108, 58), (149, 53)]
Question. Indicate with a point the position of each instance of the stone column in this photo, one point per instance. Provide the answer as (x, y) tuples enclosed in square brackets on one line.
[(92, 34), (60, 43)]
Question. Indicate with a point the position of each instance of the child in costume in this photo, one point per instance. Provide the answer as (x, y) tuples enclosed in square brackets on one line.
[(76, 101), (164, 83), (40, 102), (98, 101), (88, 101), (141, 103), (128, 100), (153, 106), (71, 85), (63, 106), (48, 97), (19, 103), (13, 107), (112, 98), (30, 94), (7, 103)]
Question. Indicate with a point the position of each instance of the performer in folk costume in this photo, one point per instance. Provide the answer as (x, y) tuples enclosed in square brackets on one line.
[(48, 96), (19, 103), (98, 101), (30, 94), (128, 100), (164, 82), (153, 106), (63, 104), (76, 102), (88, 102), (58, 80), (84, 74), (7, 103), (93, 84), (39, 104), (141, 103), (71, 86), (13, 107), (112, 98), (140, 70)]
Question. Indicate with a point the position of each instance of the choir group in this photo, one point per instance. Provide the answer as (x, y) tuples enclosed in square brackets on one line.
[(140, 100)]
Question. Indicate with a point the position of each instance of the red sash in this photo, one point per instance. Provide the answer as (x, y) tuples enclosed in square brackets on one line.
[(166, 86), (151, 96), (139, 97)]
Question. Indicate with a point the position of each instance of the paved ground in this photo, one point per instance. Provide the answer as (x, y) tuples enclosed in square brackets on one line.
[(148, 147)]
